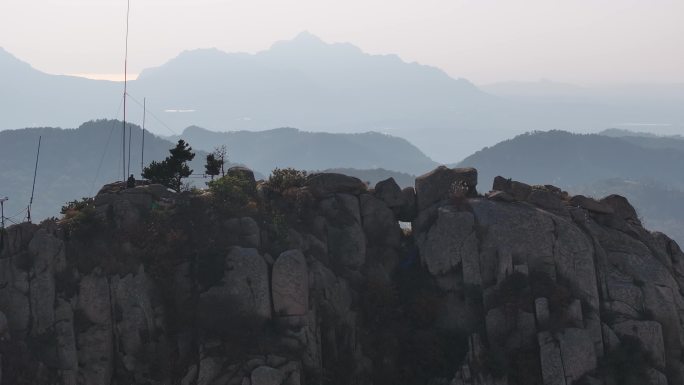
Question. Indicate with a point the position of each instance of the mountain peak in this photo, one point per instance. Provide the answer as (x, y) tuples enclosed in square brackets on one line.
[(304, 40), (307, 37), (10, 62), (5, 55)]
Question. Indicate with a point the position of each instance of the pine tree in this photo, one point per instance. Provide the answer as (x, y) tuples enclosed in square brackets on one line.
[(213, 166), (171, 171)]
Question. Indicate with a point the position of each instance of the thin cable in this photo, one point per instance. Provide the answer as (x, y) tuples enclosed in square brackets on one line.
[(123, 143), (153, 115), (35, 173), (109, 138), (18, 213)]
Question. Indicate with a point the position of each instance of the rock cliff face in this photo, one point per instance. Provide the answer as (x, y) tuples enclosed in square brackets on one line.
[(319, 284)]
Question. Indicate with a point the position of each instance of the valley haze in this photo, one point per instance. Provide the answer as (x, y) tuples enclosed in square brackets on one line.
[(461, 192), (315, 86)]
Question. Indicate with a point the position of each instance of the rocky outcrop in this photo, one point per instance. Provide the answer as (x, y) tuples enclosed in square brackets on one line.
[(325, 184), (290, 284), (244, 288), (448, 241), (437, 184), (319, 284)]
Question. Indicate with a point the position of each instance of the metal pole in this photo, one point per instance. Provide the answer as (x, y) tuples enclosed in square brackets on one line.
[(123, 143), (130, 138), (142, 155), (2, 211)]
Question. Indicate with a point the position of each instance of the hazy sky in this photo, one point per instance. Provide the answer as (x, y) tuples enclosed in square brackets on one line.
[(578, 41)]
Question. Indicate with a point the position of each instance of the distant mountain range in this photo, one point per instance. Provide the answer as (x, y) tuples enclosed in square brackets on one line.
[(76, 162), (315, 86), (569, 160), (648, 170), (289, 147), (73, 163), (647, 140)]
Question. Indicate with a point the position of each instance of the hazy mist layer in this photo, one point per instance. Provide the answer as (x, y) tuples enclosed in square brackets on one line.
[(583, 42)]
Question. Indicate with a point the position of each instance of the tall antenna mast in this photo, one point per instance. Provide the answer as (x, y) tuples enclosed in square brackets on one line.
[(142, 155), (123, 142), (130, 138), (33, 189)]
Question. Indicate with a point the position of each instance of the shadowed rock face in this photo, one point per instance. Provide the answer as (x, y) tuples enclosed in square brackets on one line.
[(319, 284)]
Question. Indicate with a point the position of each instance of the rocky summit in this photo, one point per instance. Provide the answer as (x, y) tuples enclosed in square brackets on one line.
[(321, 280)]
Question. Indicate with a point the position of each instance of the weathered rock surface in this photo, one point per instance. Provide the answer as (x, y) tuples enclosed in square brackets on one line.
[(591, 204), (319, 285), (244, 288), (448, 240), (649, 333), (389, 192), (290, 284), (435, 185), (264, 375), (517, 190), (379, 222), (325, 184), (577, 350)]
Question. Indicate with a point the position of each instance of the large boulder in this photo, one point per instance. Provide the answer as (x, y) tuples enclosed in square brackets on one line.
[(389, 192), (622, 208), (448, 240), (545, 199), (132, 297), (436, 185), (591, 204), (521, 231), (48, 257), (330, 292), (290, 284), (128, 205), (347, 244), (344, 231), (517, 190), (408, 212), (15, 239), (341, 209), (93, 322), (245, 174), (649, 334), (95, 355), (94, 299), (551, 361), (379, 223), (243, 295), (65, 338), (325, 184), (264, 375), (578, 353), (140, 197)]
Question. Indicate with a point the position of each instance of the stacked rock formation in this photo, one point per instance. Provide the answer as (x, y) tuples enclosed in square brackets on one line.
[(323, 284)]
